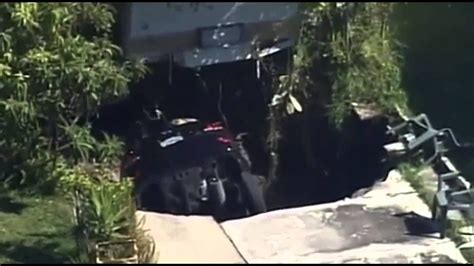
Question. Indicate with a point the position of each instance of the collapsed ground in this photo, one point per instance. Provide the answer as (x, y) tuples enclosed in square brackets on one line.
[(346, 159), (343, 159)]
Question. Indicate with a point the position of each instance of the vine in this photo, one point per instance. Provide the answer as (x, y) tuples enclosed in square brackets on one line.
[(346, 53), (367, 64)]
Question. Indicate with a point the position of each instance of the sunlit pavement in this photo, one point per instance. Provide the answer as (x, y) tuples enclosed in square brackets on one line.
[(389, 224)]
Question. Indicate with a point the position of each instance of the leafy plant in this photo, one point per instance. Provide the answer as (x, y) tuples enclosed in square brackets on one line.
[(346, 53), (105, 211), (57, 64), (145, 243), (367, 62)]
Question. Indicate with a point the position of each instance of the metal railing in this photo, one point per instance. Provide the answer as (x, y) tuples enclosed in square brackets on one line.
[(417, 137)]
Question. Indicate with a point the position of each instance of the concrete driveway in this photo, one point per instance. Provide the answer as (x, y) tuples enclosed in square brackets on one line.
[(389, 224)]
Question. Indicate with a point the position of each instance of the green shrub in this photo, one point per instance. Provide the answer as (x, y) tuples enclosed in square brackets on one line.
[(57, 65), (105, 211), (346, 53)]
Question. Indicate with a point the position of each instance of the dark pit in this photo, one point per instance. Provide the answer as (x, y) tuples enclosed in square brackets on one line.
[(344, 159)]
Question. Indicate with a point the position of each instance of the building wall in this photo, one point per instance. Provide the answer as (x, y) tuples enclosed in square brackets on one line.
[(154, 30)]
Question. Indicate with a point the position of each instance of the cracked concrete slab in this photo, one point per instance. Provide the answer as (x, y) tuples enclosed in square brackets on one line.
[(189, 239), (387, 224)]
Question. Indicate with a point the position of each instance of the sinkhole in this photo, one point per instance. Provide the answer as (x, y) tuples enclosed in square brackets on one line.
[(323, 165)]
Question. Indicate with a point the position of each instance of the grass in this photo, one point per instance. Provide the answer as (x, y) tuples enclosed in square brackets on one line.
[(411, 173), (35, 229)]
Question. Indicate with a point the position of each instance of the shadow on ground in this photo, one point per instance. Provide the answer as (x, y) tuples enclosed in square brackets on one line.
[(9, 205), (38, 252), (35, 229), (418, 225)]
